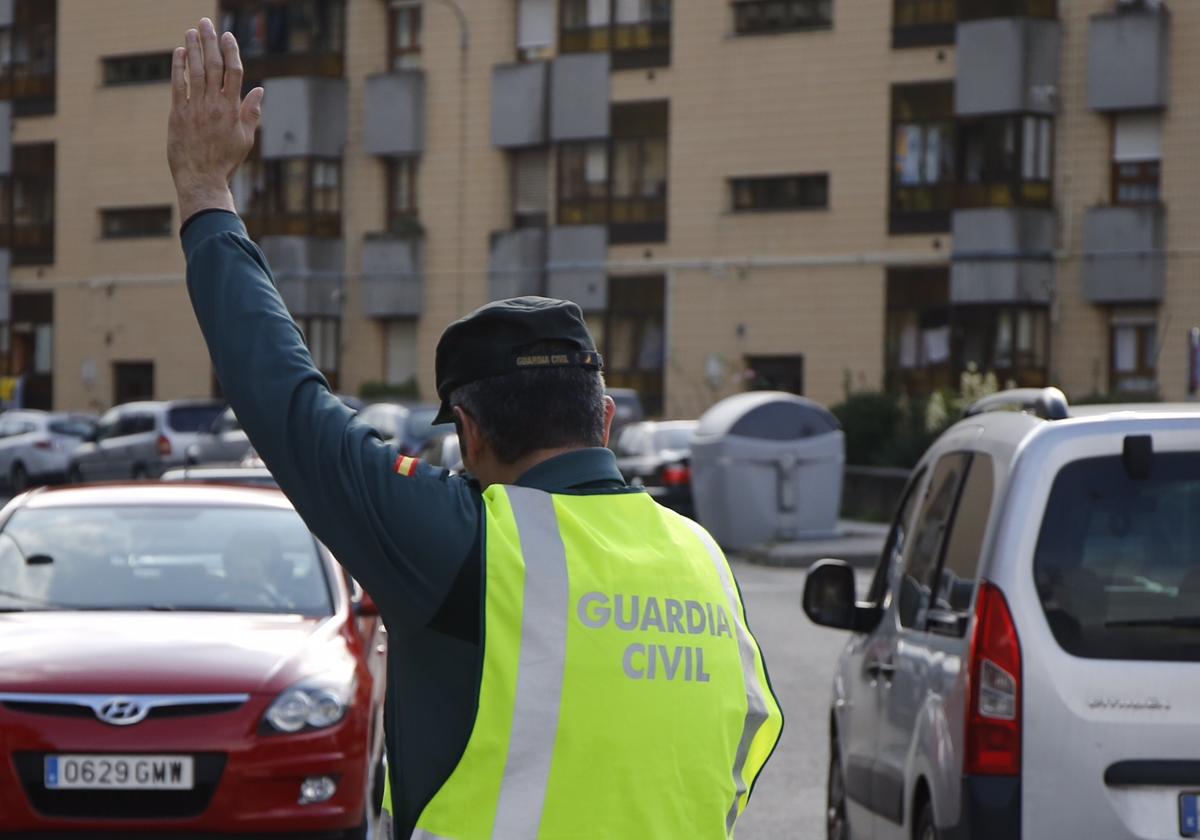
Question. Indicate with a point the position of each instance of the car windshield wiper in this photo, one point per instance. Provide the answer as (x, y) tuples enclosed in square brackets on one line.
[(1189, 622)]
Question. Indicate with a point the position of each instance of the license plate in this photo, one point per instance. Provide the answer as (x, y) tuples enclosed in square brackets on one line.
[(119, 772), (1189, 815)]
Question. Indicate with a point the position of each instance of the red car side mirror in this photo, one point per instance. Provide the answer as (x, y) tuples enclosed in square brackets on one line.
[(365, 606)]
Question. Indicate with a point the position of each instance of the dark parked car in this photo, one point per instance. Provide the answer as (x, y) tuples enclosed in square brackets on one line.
[(657, 456), (406, 426)]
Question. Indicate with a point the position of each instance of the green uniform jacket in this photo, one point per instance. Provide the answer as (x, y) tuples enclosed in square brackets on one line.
[(413, 542)]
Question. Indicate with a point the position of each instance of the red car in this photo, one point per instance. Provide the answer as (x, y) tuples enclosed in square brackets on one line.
[(182, 661)]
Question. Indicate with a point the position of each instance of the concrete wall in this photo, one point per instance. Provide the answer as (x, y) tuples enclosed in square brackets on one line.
[(1128, 60), (303, 116), (395, 113), (520, 104)]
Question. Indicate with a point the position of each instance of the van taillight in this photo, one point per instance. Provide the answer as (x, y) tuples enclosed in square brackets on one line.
[(164, 446), (994, 714)]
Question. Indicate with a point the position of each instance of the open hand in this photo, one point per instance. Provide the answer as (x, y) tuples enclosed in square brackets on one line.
[(211, 129)]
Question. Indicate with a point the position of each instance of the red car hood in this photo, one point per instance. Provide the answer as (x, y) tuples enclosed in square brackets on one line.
[(138, 652)]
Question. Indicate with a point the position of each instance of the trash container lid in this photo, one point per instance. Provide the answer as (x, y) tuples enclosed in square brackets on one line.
[(767, 415)]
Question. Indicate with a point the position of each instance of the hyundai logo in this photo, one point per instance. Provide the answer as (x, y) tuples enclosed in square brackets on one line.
[(122, 711)]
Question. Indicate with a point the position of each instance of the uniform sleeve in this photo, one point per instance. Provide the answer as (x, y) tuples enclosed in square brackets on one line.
[(404, 538)]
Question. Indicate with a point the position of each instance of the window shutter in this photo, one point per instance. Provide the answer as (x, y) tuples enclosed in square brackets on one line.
[(1137, 137), (531, 182), (536, 21)]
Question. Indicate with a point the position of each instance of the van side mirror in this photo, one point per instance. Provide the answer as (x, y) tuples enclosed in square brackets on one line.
[(830, 598)]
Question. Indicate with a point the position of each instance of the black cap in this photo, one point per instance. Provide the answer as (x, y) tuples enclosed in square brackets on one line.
[(494, 340)]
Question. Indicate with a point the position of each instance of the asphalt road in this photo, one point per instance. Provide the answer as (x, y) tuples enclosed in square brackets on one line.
[(789, 800)]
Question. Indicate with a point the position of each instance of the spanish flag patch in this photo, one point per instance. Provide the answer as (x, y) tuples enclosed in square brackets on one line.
[(406, 466)]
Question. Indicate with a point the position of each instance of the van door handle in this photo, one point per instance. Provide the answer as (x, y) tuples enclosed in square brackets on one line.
[(881, 668)]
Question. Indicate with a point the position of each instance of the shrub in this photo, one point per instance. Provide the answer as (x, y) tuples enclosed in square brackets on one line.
[(377, 390)]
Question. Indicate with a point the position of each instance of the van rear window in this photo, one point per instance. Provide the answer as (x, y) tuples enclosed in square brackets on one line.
[(1118, 559), (193, 418)]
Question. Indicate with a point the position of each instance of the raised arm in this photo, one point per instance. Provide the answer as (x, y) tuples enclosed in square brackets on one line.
[(404, 538)]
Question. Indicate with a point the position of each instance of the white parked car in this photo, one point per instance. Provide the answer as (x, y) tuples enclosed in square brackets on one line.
[(1026, 662), (142, 440), (36, 446)]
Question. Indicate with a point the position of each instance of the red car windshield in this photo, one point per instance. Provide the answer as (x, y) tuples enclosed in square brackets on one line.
[(160, 557)]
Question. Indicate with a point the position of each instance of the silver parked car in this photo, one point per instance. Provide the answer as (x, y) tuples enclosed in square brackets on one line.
[(1026, 662), (36, 446), (142, 439)]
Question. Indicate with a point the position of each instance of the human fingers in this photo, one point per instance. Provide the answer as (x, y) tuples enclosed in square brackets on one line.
[(252, 108), (233, 68), (179, 80), (195, 62), (214, 62)]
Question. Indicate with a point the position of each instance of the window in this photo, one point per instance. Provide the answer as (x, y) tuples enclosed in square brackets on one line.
[(636, 32), (131, 222), (28, 61), (964, 545), (530, 188), (780, 192), (137, 69), (402, 196), (292, 38), (775, 373), (929, 535), (1008, 341), (923, 23), (292, 196), (323, 336), (622, 182), (1117, 564), (1137, 159), (639, 173), (400, 352), (132, 381), (897, 541), (634, 341), (1134, 339), (756, 17), (28, 348), (923, 140), (1006, 161), (535, 29), (918, 346), (404, 37), (27, 205), (983, 9)]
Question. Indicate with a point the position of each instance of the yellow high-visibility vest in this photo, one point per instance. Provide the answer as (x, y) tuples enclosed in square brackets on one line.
[(622, 694)]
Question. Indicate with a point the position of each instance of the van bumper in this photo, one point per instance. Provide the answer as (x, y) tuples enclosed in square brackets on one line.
[(991, 809)]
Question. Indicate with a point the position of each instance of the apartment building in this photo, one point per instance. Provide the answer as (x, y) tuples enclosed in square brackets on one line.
[(815, 195)]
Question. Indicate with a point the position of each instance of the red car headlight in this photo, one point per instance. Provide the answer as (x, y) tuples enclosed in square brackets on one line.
[(308, 706)]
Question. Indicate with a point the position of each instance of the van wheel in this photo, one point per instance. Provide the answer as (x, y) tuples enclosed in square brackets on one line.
[(926, 829), (74, 475), (836, 827), (18, 479), (139, 473)]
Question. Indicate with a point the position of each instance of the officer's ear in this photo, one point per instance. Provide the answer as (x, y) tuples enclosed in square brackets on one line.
[(610, 411), (470, 439)]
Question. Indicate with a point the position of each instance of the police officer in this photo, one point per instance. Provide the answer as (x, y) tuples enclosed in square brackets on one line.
[(567, 658)]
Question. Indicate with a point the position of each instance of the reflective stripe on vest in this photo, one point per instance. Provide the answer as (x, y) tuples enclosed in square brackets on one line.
[(622, 694)]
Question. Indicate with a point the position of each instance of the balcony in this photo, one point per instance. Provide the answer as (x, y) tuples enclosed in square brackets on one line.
[(580, 90), (392, 281), (1127, 59), (517, 263), (308, 272), (1002, 255), (1123, 254), (1007, 66), (303, 117), (5, 286), (576, 265), (519, 96), (395, 113)]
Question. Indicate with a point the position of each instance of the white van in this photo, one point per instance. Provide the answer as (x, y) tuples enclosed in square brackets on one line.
[(1026, 663)]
